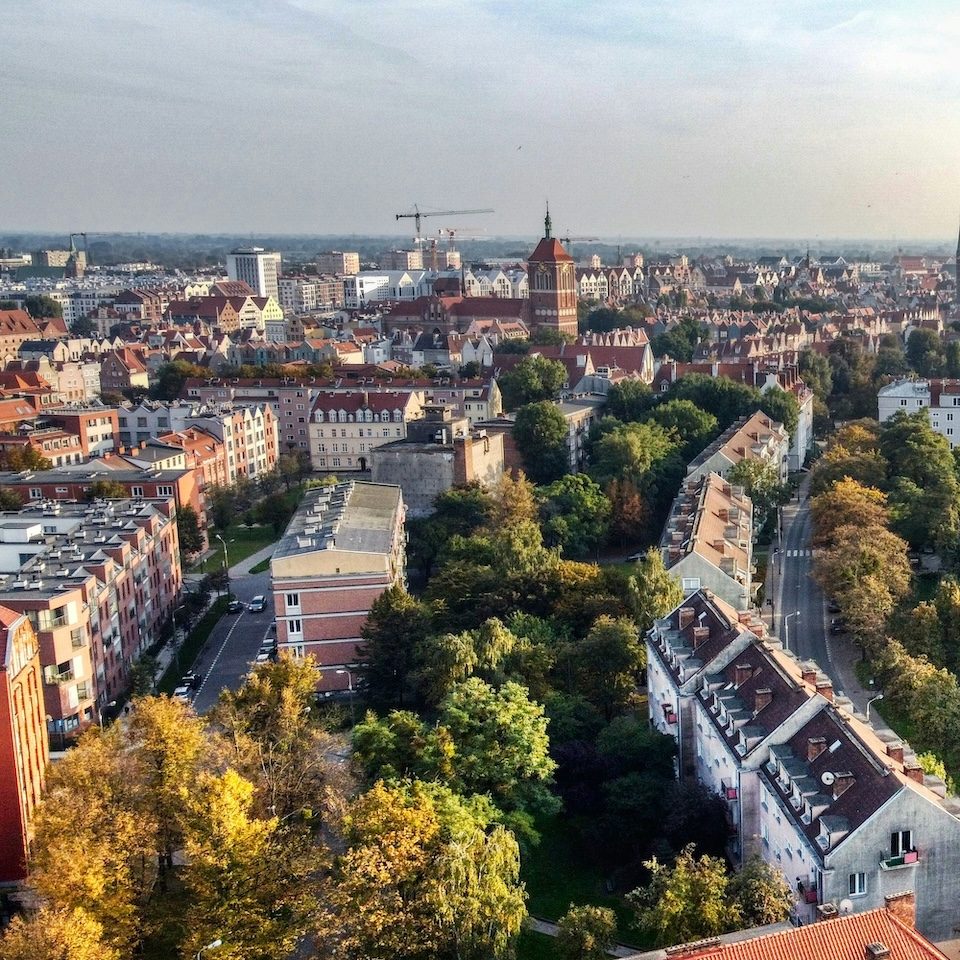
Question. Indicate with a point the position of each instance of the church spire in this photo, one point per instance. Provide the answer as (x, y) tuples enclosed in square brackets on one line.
[(548, 225)]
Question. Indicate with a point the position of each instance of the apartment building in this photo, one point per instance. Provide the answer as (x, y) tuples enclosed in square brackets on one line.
[(338, 262), (344, 546), (402, 260), (123, 369), (844, 811), (16, 326), (707, 541), (757, 437), (97, 428), (345, 427), (258, 268), (96, 581), (940, 398), (23, 741)]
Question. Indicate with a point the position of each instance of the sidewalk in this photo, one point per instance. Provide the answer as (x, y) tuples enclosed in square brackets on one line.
[(551, 930), (242, 569)]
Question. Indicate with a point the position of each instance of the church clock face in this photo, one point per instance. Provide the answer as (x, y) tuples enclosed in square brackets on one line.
[(542, 268)]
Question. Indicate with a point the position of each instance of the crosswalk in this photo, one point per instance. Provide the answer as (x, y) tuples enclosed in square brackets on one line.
[(798, 553)]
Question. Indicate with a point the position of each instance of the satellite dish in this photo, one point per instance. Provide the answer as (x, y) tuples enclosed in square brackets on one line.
[(846, 906), (827, 778)]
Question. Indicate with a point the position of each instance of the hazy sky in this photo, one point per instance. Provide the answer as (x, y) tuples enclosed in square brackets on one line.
[(682, 118)]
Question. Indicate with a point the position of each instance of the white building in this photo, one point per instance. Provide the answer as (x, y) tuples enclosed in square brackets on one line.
[(299, 294), (371, 286), (941, 398), (258, 268)]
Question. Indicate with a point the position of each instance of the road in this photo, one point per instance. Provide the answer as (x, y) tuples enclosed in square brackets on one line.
[(808, 635), (234, 642)]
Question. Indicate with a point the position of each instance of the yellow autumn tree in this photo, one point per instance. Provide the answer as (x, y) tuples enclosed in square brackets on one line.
[(56, 935)]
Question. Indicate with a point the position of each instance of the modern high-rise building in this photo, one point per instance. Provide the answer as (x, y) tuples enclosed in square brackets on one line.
[(258, 268)]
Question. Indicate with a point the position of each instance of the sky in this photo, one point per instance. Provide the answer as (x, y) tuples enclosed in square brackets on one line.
[(690, 118)]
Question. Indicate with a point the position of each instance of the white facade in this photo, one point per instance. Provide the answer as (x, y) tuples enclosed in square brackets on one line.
[(258, 268), (298, 294), (941, 398), (370, 286)]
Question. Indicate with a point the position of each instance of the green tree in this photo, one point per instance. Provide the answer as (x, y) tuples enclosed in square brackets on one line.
[(654, 592), (925, 353), (586, 933), (396, 625), (574, 515), (628, 400), (685, 902), (816, 373), (188, 530), (9, 499), (761, 481), (171, 376), (106, 490), (275, 511), (84, 327), (691, 427), (607, 663), (40, 307), (143, 673), (540, 432), (629, 452), (533, 378), (782, 407), (760, 894), (726, 399), (22, 458)]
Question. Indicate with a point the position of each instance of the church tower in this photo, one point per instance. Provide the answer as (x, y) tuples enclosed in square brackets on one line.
[(553, 285)]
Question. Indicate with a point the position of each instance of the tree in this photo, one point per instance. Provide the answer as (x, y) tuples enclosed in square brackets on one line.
[(726, 399), (40, 307), (84, 327), (540, 432), (293, 467), (512, 502), (55, 934), (574, 515), (816, 373), (628, 400), (23, 457), (847, 503), (424, 874), (242, 879), (685, 902), (925, 353), (106, 490), (533, 378), (761, 481), (586, 933), (760, 893), (394, 627), (782, 407), (654, 592), (629, 452), (171, 376), (143, 673), (691, 427), (188, 530), (630, 517), (607, 664), (275, 511), (9, 499)]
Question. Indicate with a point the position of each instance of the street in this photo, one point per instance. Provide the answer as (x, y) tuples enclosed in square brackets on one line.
[(234, 642), (794, 589)]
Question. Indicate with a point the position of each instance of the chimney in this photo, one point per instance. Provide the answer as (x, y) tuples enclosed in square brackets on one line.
[(700, 635), (808, 673), (815, 746), (913, 770), (742, 672), (825, 689), (842, 783), (903, 906), (761, 698), (685, 617), (895, 751), (876, 951)]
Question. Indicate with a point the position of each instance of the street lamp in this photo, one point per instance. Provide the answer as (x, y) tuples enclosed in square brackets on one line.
[(879, 696), (353, 718), (786, 628), (226, 561), (210, 946)]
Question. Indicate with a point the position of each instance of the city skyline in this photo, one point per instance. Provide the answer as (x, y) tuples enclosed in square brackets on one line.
[(825, 121)]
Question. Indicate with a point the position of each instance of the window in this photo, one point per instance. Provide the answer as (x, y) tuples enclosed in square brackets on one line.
[(164, 491), (690, 583), (296, 651), (36, 493), (857, 884), (294, 627), (136, 491), (293, 600), (900, 842)]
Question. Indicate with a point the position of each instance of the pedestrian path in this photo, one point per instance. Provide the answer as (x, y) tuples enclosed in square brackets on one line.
[(551, 930), (243, 568)]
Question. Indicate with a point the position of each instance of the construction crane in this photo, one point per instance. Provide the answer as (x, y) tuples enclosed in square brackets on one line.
[(417, 215), (86, 249), (566, 241)]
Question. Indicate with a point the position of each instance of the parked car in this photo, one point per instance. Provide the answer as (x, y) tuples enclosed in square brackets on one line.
[(837, 625), (258, 604), (182, 694), (833, 606), (191, 680), (234, 606)]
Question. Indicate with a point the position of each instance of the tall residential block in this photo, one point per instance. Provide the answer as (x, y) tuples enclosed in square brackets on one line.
[(338, 262), (258, 268), (344, 546)]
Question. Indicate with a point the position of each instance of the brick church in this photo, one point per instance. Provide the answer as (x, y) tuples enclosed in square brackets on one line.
[(552, 303)]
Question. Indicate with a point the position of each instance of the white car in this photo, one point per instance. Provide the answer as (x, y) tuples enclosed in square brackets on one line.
[(258, 604), (182, 693)]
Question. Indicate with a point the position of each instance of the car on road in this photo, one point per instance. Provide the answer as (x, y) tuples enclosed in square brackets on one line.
[(258, 604), (182, 694), (837, 625), (191, 680), (235, 606)]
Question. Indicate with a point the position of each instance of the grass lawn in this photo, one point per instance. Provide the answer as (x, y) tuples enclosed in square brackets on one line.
[(191, 646), (925, 586), (262, 567), (556, 875), (242, 542)]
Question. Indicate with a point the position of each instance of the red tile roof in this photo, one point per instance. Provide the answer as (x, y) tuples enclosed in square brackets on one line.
[(549, 250), (843, 938)]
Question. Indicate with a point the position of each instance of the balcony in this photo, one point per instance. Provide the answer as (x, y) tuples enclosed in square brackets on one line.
[(77, 639), (908, 858), (55, 679)]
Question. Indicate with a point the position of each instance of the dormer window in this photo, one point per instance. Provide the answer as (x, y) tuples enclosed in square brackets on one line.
[(823, 838)]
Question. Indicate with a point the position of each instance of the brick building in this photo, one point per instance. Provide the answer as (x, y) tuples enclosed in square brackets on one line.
[(23, 741), (344, 546)]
